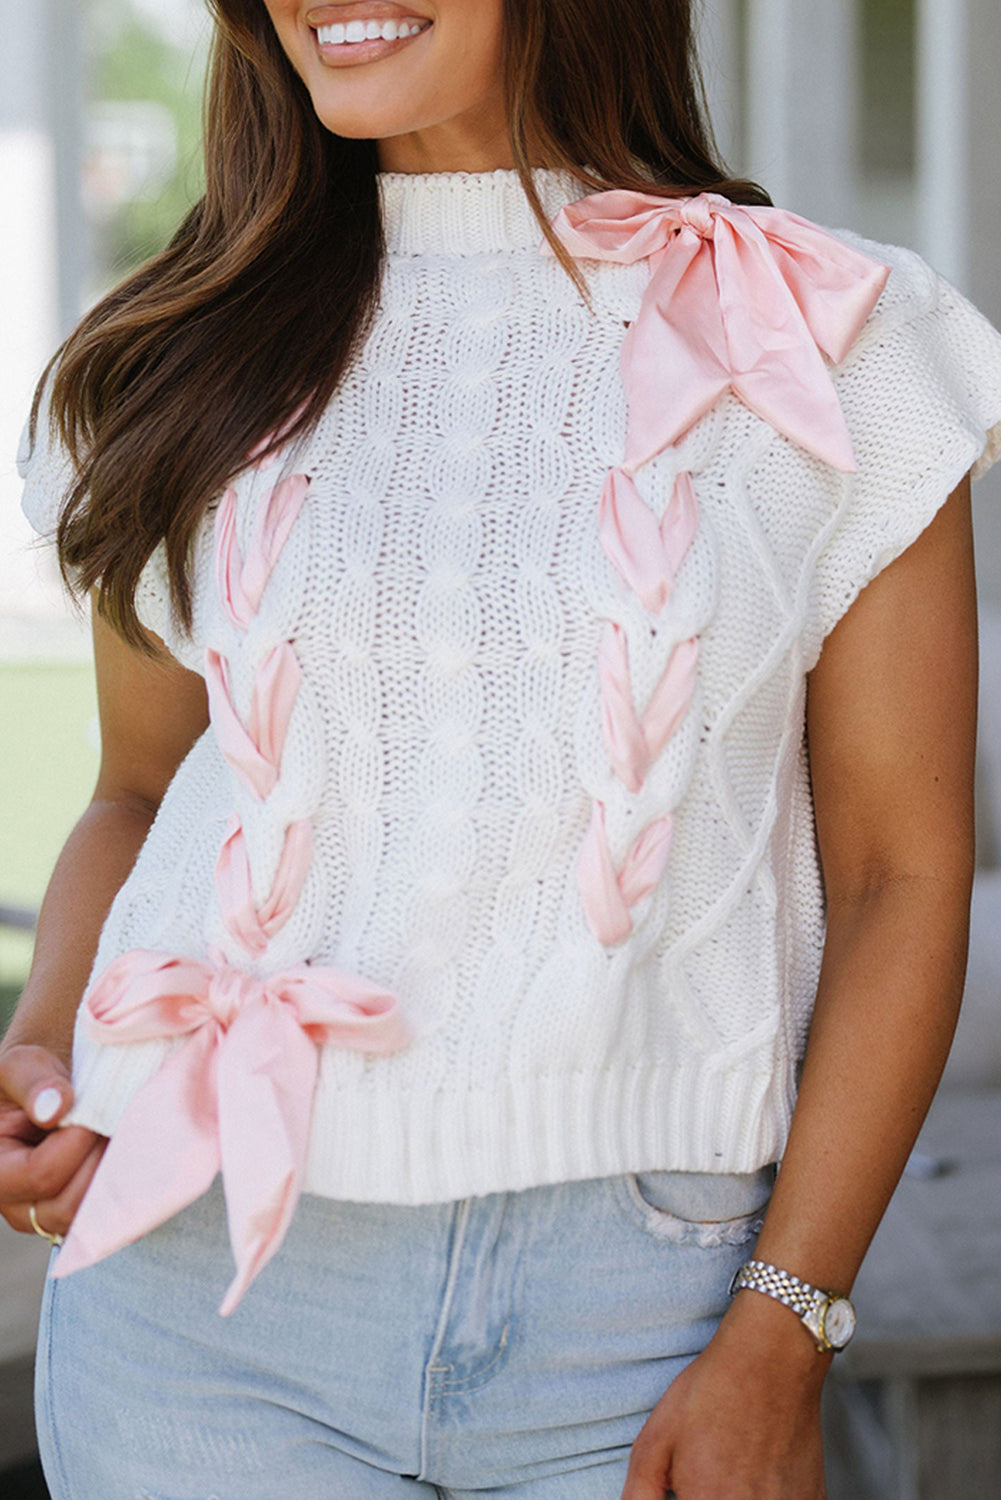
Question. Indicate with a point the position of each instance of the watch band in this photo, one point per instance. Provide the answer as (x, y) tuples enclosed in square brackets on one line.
[(810, 1303)]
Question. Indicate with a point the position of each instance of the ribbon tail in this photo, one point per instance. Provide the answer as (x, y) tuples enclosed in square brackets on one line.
[(267, 1076), (797, 405), (777, 369), (835, 286), (673, 360), (162, 1156)]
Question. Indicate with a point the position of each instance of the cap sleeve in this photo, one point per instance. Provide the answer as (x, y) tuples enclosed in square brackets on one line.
[(921, 394), (46, 469)]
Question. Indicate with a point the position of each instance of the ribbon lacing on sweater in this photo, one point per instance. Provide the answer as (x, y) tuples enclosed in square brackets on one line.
[(739, 299), (747, 300), (237, 1095)]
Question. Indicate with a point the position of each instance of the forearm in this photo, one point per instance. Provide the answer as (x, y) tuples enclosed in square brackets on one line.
[(91, 867), (885, 1013)]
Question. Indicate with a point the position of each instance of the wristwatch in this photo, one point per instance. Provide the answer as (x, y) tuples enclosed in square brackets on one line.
[(829, 1316)]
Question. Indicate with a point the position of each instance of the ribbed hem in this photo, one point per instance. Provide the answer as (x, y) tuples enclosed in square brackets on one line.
[(467, 213), (375, 1144)]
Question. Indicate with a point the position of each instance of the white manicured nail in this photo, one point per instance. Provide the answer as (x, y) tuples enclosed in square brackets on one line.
[(46, 1105)]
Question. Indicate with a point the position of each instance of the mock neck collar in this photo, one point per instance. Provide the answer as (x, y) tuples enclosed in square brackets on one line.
[(463, 213)]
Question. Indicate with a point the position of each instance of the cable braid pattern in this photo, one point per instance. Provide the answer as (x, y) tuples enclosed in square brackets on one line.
[(728, 308)]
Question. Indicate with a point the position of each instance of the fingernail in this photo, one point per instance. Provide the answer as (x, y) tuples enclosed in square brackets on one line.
[(46, 1105)]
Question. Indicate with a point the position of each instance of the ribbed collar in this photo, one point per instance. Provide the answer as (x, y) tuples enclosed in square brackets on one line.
[(463, 213)]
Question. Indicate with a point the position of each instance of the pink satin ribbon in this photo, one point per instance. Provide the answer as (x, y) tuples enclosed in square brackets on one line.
[(634, 743), (252, 925), (254, 750), (259, 455), (742, 299), (241, 582), (645, 552), (608, 893), (236, 1095), (748, 300)]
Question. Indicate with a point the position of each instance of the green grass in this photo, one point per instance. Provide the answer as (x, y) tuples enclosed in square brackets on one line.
[(48, 765)]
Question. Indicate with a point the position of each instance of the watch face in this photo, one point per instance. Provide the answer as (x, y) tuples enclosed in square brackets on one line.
[(839, 1322)]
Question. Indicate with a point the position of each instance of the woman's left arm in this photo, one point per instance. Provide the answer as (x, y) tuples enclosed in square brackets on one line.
[(891, 725)]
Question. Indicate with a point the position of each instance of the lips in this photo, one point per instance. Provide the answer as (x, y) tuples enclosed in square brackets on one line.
[(332, 26), (363, 10)]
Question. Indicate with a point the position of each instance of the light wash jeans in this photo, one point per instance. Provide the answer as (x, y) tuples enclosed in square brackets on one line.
[(512, 1343)]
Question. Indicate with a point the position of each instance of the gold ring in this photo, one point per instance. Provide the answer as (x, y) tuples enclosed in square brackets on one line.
[(53, 1239)]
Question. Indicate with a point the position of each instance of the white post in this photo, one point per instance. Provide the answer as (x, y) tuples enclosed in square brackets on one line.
[(943, 130), (719, 42), (985, 157), (983, 269), (802, 105), (28, 279), (68, 86)]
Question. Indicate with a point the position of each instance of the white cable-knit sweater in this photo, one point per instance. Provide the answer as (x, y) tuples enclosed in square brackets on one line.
[(442, 584)]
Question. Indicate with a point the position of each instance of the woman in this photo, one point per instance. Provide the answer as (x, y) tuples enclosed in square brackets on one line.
[(494, 705)]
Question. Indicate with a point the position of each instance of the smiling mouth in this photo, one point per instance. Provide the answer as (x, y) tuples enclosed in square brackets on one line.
[(364, 41)]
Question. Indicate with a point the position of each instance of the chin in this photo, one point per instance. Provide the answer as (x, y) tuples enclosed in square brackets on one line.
[(359, 126)]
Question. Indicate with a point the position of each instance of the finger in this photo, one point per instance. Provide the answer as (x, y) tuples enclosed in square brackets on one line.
[(638, 1488), (38, 1081), (55, 1215), (30, 1172), (649, 1473)]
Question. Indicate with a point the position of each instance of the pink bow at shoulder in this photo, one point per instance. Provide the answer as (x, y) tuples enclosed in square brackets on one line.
[(741, 299), (237, 1094)]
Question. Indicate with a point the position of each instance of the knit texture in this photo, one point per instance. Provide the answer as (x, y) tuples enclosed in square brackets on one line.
[(447, 596)]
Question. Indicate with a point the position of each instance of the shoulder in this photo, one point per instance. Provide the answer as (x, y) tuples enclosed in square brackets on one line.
[(927, 363), (920, 390)]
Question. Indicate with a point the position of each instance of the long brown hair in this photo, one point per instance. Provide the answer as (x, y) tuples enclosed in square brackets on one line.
[(246, 323)]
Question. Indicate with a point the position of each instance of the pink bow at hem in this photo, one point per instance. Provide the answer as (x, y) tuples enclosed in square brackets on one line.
[(235, 1096)]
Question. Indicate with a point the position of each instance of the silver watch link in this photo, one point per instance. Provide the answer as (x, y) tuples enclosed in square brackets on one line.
[(828, 1315)]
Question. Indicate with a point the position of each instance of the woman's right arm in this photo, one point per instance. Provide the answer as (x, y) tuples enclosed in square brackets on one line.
[(151, 712)]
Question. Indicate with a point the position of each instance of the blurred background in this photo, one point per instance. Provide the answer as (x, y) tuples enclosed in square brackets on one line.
[(880, 115)]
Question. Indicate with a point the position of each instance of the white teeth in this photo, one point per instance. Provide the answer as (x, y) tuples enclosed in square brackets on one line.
[(368, 31)]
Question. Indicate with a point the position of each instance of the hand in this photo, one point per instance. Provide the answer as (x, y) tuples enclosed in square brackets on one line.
[(742, 1421), (39, 1164)]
